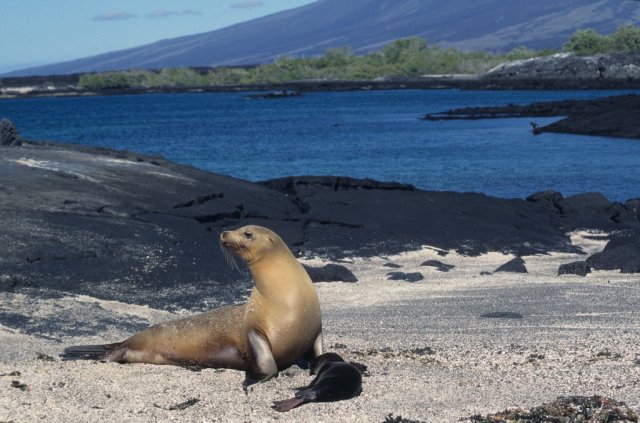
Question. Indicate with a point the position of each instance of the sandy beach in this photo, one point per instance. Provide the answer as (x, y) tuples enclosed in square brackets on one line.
[(430, 354)]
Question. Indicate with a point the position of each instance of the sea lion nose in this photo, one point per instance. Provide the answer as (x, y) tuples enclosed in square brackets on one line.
[(223, 235)]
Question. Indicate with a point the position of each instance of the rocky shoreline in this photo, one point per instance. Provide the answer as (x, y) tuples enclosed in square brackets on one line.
[(562, 71), (448, 294), (614, 116), (84, 220)]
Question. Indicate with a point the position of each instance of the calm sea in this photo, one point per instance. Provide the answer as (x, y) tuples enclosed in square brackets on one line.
[(376, 134)]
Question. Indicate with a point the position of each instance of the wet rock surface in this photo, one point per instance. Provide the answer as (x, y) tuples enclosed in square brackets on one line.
[(122, 226)]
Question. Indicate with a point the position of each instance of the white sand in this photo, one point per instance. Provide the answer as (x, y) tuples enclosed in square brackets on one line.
[(578, 336)]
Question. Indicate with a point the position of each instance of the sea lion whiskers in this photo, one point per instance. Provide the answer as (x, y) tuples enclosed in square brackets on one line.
[(229, 257)]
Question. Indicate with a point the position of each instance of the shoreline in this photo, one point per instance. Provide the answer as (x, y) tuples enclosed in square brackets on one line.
[(471, 82), (100, 244)]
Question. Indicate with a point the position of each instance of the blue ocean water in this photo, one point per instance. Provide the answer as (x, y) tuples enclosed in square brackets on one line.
[(374, 134)]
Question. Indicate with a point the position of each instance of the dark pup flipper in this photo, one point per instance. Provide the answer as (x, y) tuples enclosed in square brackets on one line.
[(89, 352), (288, 404)]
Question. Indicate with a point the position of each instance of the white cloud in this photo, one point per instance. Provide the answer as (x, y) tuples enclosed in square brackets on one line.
[(172, 13), (114, 16), (156, 14)]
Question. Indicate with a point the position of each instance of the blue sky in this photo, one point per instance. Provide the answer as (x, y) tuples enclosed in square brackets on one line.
[(36, 32)]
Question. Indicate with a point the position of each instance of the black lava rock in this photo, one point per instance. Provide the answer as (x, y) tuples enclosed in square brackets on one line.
[(8, 133), (330, 273), (392, 265), (442, 267), (589, 202), (549, 199), (127, 227), (621, 253), (407, 277), (513, 266), (580, 268)]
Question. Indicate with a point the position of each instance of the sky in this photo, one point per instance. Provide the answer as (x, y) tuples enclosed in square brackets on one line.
[(38, 32)]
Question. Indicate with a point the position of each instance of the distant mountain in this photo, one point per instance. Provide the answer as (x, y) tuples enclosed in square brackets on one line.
[(492, 25)]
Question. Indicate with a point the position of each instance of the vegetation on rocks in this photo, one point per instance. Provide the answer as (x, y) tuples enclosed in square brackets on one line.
[(588, 42), (408, 57), (403, 58)]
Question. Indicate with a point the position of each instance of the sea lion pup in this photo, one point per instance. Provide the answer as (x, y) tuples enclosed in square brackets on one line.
[(278, 325), (335, 381)]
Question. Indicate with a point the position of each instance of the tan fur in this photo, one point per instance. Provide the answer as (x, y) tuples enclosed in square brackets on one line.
[(283, 308)]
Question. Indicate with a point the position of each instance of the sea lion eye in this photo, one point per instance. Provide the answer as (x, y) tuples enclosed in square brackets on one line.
[(248, 234)]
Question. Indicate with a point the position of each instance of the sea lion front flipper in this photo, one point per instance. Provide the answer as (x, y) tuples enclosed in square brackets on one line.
[(318, 346), (262, 364)]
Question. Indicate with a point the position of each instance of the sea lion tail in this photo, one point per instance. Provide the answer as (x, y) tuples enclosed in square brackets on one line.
[(288, 404), (89, 352)]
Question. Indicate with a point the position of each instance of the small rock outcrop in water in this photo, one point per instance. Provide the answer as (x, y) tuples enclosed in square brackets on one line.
[(615, 116), (8, 133)]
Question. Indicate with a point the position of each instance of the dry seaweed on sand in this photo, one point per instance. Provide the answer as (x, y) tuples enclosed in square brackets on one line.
[(595, 409)]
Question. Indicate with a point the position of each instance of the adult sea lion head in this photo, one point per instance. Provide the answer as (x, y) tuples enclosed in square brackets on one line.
[(250, 243)]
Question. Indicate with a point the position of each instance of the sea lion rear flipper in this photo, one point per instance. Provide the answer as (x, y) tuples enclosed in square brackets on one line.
[(288, 404), (89, 352)]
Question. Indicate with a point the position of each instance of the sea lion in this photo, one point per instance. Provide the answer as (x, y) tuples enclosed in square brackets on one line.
[(335, 381), (279, 324)]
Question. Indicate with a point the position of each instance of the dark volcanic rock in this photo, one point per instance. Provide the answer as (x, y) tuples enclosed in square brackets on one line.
[(568, 66), (549, 199), (330, 273), (407, 277), (127, 227), (392, 265), (513, 266), (621, 253), (8, 133), (590, 202), (104, 223), (615, 116), (442, 267), (580, 268), (343, 216)]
